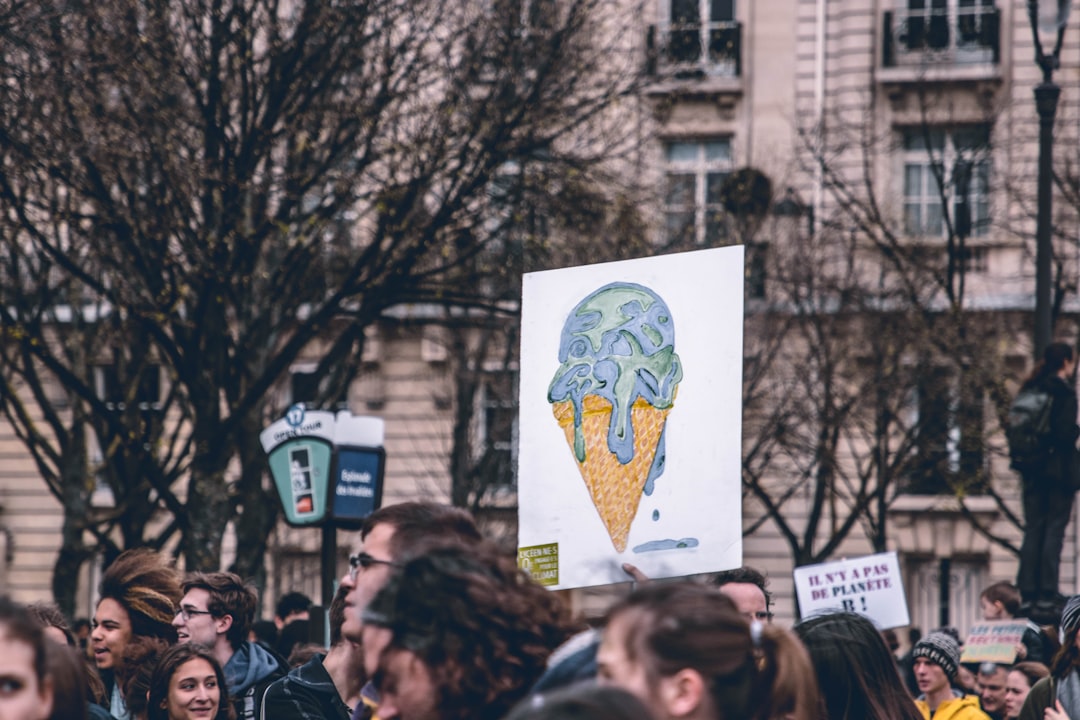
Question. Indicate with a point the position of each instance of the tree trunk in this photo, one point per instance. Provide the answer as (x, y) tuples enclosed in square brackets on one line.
[(257, 512), (208, 512)]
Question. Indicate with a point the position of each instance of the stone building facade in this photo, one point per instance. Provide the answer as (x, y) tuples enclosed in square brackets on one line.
[(878, 87)]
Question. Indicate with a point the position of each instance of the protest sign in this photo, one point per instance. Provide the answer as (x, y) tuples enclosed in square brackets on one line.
[(870, 586), (994, 641), (630, 418)]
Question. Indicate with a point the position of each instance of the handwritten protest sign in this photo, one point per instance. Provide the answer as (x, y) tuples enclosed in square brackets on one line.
[(870, 586), (994, 641), (627, 370)]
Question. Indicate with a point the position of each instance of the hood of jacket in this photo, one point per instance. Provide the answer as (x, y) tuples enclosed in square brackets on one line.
[(250, 664)]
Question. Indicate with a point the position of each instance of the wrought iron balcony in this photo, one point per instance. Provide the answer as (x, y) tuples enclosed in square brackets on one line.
[(942, 36), (695, 50)]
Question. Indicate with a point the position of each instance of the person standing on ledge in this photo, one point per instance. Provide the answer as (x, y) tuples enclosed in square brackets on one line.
[(1049, 484)]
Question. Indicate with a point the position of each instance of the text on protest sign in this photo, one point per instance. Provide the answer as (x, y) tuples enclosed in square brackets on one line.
[(870, 586)]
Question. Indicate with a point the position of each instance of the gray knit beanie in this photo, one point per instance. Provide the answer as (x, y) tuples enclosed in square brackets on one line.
[(1070, 614), (941, 649)]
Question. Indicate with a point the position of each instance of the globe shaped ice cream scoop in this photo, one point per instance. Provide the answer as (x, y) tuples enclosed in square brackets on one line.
[(612, 394)]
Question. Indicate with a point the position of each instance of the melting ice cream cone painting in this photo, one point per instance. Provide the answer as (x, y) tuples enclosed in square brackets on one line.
[(612, 395)]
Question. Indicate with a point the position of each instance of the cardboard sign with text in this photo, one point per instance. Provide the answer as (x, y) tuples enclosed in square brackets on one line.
[(994, 641), (870, 586)]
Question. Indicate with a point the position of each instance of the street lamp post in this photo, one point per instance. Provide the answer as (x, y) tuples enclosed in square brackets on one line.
[(1047, 24)]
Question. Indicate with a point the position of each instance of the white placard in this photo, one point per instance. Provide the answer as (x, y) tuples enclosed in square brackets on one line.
[(870, 586), (666, 332)]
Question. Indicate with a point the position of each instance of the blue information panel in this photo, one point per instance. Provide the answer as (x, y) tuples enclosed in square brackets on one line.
[(358, 490)]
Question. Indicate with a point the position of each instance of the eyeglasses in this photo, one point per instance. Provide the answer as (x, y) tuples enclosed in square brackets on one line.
[(188, 612), (364, 561)]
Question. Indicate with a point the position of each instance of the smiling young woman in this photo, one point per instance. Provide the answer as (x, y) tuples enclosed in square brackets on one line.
[(188, 684)]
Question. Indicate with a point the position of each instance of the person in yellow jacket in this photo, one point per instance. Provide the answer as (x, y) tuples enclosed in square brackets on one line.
[(937, 658)]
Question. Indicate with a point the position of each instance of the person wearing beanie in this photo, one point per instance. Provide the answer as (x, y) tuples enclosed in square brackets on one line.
[(937, 659), (1057, 697), (139, 594)]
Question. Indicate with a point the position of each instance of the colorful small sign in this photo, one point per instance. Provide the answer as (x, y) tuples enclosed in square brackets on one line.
[(541, 562), (994, 641)]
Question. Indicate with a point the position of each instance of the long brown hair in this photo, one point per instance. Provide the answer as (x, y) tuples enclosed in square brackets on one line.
[(856, 673), (170, 662), (760, 674)]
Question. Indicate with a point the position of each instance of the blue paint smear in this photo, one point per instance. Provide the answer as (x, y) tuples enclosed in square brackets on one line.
[(654, 545), (655, 515), (658, 464)]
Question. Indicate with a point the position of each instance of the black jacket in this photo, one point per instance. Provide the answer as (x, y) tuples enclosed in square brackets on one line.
[(306, 693), (1061, 467)]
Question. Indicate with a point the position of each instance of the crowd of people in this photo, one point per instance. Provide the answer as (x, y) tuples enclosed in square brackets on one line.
[(432, 622)]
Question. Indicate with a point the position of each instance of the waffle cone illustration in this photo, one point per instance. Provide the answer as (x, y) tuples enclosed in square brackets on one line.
[(615, 488), (612, 395)]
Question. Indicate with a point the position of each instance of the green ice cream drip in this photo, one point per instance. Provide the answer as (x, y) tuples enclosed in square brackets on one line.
[(618, 343)]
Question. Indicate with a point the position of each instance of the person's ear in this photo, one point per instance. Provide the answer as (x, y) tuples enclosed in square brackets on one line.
[(222, 624), (683, 693), (46, 704)]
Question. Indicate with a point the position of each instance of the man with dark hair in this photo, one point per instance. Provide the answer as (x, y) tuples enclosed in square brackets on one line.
[(327, 687), (391, 534), (291, 606), (747, 589), (217, 610), (457, 633)]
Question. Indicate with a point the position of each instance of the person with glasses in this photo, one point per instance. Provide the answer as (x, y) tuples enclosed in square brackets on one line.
[(747, 589), (391, 534), (217, 611)]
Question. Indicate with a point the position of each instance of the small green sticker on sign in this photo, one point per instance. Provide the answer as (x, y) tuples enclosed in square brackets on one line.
[(542, 562)]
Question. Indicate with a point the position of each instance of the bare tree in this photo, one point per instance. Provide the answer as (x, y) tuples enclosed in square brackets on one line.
[(233, 181)]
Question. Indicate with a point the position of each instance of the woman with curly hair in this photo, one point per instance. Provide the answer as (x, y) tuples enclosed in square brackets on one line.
[(686, 652), (188, 684), (458, 634), (139, 595), (857, 675)]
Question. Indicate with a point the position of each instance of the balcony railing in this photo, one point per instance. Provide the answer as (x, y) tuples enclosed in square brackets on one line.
[(695, 50), (958, 36)]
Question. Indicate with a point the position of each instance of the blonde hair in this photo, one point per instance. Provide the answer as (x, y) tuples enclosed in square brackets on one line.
[(148, 587)]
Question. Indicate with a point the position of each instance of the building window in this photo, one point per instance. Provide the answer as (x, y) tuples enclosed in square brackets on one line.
[(945, 31), (304, 386), (496, 429), (695, 174), (944, 592), (948, 427), (144, 391), (947, 168), (700, 37), (974, 259)]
